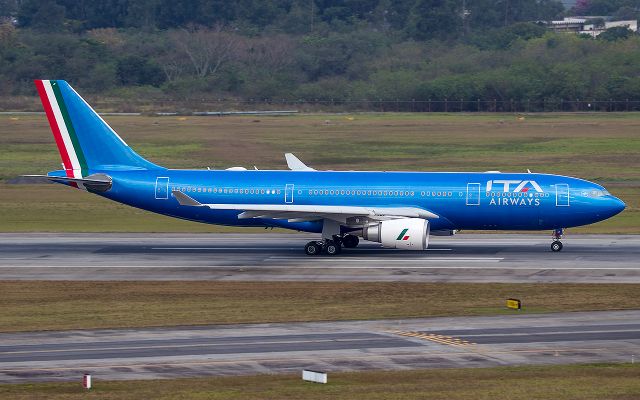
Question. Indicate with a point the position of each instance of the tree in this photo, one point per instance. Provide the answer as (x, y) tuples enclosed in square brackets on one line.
[(434, 19), (45, 16), (616, 33), (208, 49), (135, 70), (8, 8)]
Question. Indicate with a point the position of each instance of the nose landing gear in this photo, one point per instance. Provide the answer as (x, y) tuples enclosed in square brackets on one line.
[(556, 245)]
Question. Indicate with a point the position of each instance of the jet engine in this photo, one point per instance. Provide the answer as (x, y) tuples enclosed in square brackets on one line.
[(404, 233)]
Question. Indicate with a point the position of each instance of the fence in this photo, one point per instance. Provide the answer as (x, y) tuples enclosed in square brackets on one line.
[(341, 105)]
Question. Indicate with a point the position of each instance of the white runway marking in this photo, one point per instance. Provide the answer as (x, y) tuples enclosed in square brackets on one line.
[(267, 267), (249, 248), (394, 260), (225, 248)]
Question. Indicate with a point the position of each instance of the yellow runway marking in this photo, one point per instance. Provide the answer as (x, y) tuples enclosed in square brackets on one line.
[(441, 339)]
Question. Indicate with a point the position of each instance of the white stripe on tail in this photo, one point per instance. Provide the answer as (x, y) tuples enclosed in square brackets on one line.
[(77, 172)]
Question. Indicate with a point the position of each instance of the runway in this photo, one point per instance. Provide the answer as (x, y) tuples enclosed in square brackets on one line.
[(327, 346), (461, 258)]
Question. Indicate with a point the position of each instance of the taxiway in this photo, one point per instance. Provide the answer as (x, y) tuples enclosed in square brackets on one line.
[(152, 353)]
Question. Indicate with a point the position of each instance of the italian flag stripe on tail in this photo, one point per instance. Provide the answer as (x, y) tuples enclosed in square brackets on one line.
[(65, 136)]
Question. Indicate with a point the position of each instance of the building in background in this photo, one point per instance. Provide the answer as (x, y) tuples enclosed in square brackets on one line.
[(591, 25)]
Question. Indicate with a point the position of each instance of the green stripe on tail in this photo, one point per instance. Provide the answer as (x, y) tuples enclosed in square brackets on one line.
[(70, 129)]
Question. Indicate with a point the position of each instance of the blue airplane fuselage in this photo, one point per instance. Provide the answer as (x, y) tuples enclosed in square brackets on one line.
[(491, 201)]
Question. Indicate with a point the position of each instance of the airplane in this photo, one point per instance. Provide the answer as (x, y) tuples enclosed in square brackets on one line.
[(400, 210)]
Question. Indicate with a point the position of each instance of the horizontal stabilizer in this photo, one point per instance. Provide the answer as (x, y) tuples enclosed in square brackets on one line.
[(91, 179), (95, 182)]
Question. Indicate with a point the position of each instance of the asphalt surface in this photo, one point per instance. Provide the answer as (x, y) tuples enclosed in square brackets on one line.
[(327, 346), (461, 258)]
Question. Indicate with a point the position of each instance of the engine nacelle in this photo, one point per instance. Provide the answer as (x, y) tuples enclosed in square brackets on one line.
[(406, 233)]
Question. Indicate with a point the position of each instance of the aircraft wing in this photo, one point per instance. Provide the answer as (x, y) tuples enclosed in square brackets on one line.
[(351, 215)]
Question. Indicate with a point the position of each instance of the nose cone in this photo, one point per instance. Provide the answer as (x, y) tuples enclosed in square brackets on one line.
[(616, 205)]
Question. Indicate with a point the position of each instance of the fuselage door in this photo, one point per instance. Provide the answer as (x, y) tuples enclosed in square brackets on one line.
[(162, 188), (562, 195), (473, 194), (288, 193)]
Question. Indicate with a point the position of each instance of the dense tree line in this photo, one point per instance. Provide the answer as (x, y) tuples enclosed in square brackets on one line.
[(333, 50)]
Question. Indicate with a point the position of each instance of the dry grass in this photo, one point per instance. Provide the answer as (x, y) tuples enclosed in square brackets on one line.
[(46, 305), (590, 146), (583, 382)]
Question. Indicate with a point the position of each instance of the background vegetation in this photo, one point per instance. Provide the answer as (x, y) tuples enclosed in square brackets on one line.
[(319, 50)]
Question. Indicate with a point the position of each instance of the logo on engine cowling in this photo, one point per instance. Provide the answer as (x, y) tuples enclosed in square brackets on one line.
[(402, 234)]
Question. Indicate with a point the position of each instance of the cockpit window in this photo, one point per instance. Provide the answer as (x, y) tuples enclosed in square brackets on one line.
[(598, 193)]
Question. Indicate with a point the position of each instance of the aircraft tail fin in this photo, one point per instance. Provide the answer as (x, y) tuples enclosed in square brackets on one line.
[(85, 141)]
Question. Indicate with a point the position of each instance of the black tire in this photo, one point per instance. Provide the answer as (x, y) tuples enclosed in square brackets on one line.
[(332, 248), (556, 246), (350, 241), (312, 249)]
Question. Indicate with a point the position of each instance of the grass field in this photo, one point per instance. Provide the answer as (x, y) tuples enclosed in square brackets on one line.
[(573, 382), (600, 147), (52, 305)]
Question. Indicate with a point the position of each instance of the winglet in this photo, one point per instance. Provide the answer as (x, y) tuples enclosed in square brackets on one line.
[(185, 200), (295, 164)]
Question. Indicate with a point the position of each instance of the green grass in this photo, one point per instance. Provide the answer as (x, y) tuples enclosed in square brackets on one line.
[(572, 382), (604, 147), (54, 305)]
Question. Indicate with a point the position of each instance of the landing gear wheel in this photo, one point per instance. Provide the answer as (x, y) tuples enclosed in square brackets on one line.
[(350, 241), (312, 249), (556, 245), (332, 248)]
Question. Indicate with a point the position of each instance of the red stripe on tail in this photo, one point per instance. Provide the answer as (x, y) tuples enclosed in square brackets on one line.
[(54, 128)]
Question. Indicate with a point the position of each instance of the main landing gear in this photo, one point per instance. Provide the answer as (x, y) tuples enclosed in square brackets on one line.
[(331, 247), (556, 245)]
